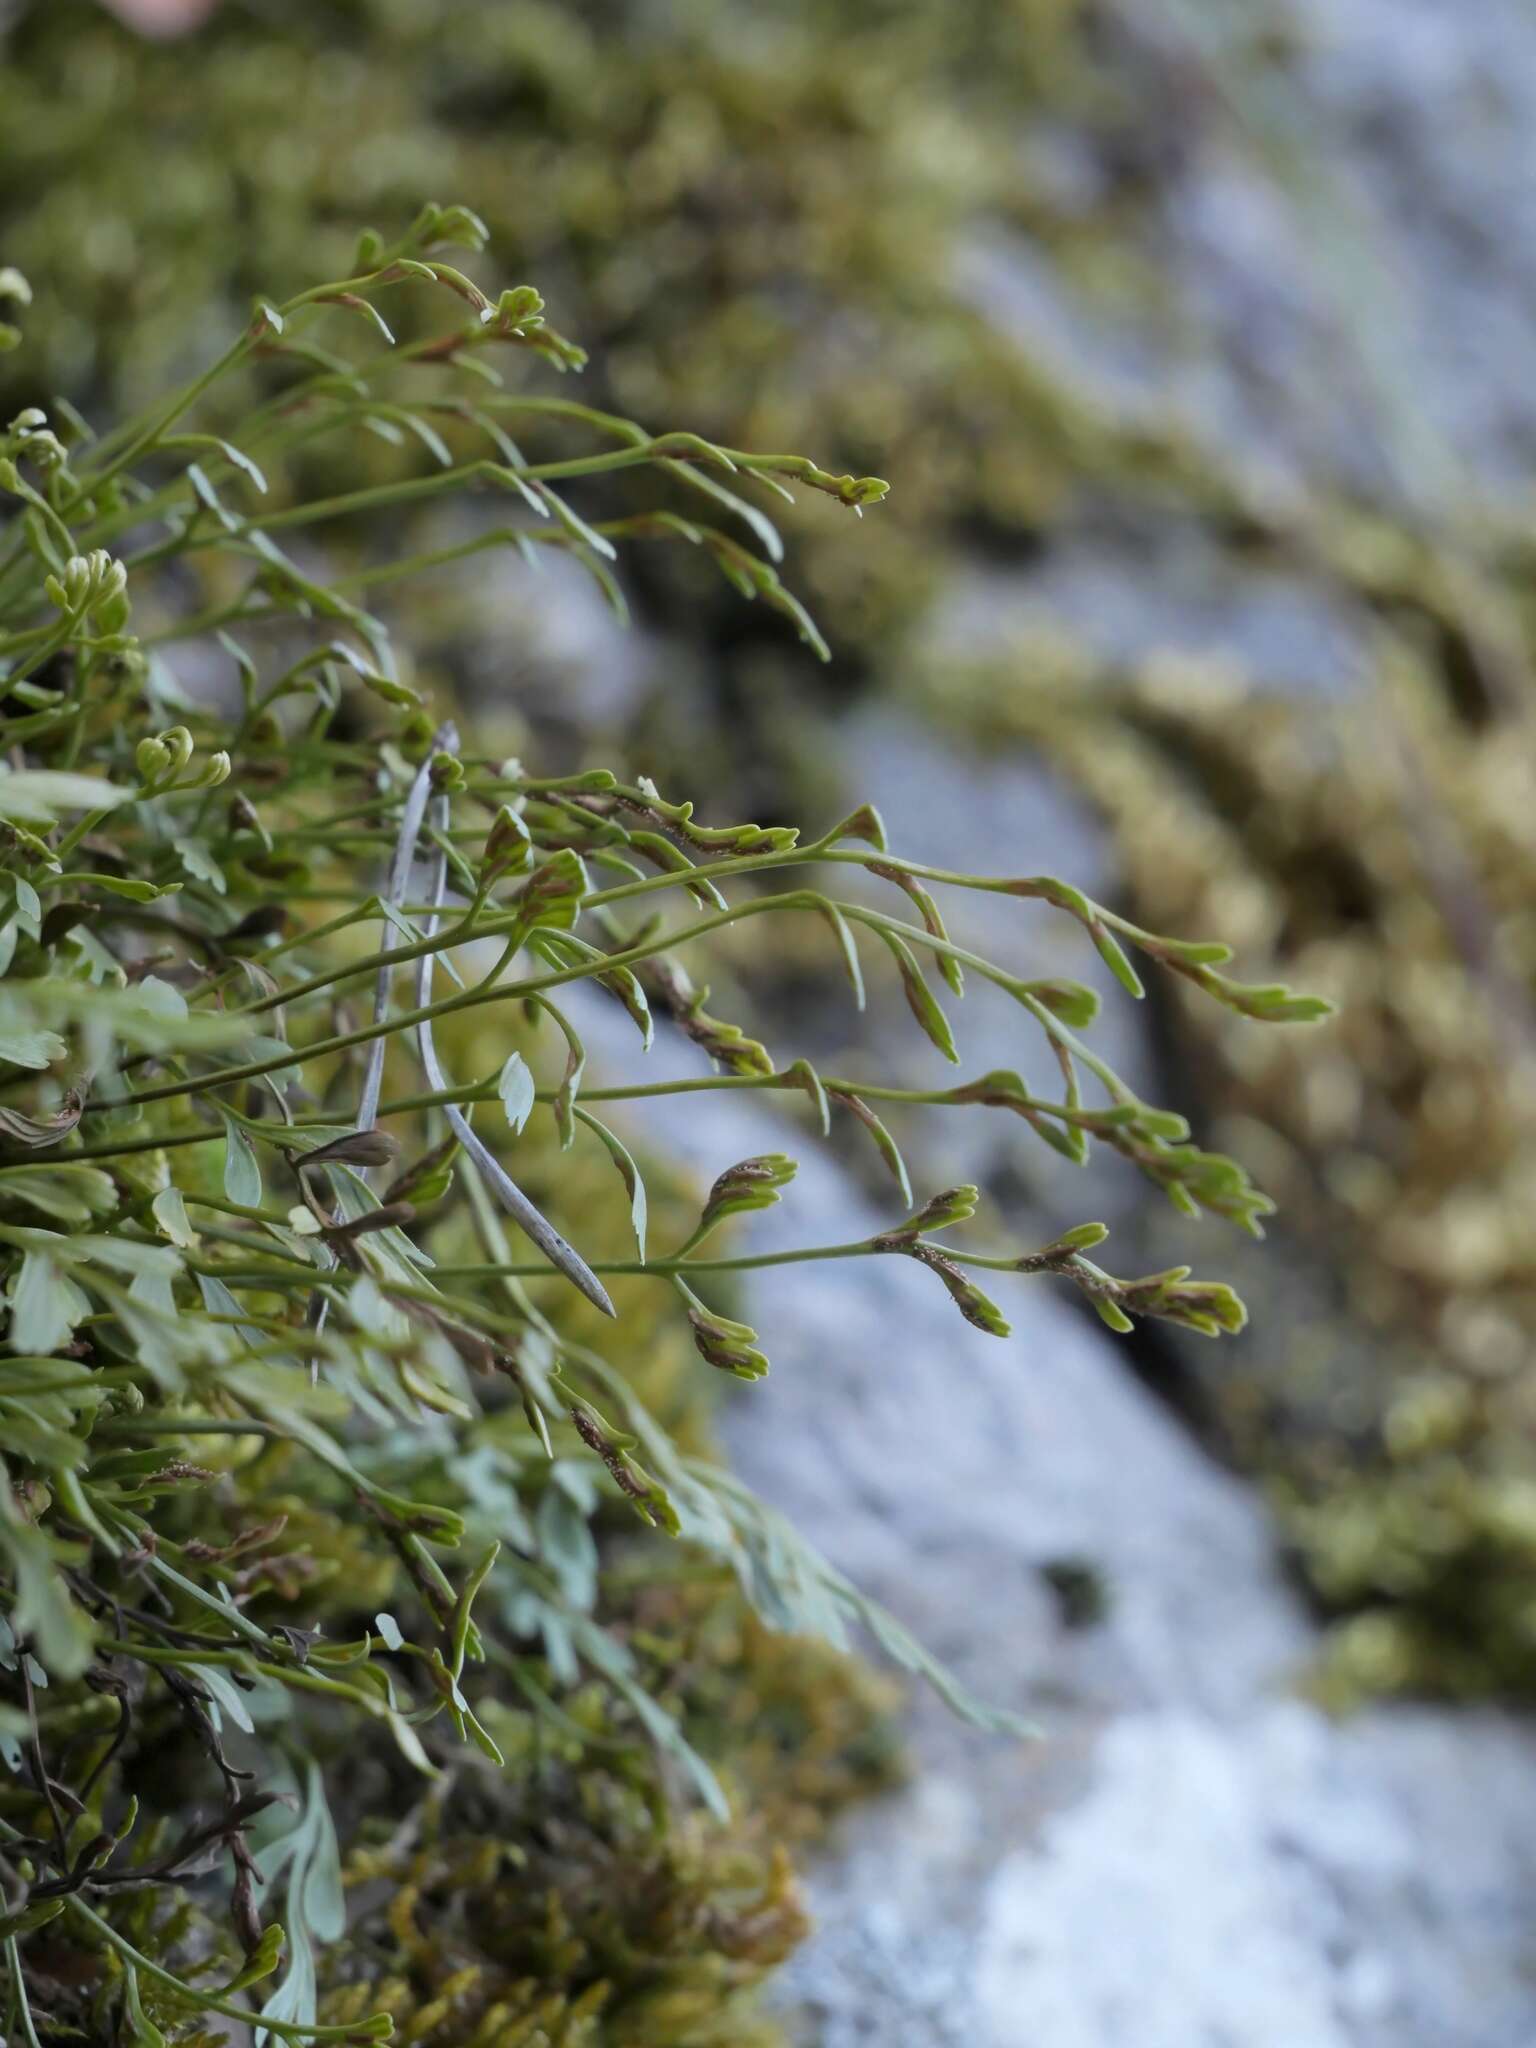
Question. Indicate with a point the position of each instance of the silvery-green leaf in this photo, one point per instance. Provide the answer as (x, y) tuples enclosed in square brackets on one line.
[(242, 1174), (46, 1305), (619, 1153), (35, 1048), (567, 1547), (42, 1610), (225, 1693), (200, 864), (170, 1212), (69, 1194), (37, 795), (516, 1089)]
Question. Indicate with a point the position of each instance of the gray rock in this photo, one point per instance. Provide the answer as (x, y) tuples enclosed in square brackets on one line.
[(1189, 1856), (1169, 591)]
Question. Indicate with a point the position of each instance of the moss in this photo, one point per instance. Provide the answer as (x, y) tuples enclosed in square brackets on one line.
[(592, 1933), (555, 1902), (800, 1730), (1384, 851), (750, 212)]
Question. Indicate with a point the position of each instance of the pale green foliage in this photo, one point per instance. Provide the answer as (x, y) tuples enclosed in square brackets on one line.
[(233, 1220)]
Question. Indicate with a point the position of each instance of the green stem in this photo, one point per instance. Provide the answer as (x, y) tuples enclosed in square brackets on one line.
[(185, 1993), (19, 1992), (585, 970)]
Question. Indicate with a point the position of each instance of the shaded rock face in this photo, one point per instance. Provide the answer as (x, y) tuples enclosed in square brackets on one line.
[(1344, 228), (1190, 1856)]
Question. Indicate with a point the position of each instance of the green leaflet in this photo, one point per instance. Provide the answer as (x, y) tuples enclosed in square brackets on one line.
[(515, 1087), (921, 1000), (242, 1174), (629, 1173)]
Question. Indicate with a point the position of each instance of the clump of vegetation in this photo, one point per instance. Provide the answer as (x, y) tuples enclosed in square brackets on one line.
[(754, 211), (307, 1496), (765, 215), (585, 1934)]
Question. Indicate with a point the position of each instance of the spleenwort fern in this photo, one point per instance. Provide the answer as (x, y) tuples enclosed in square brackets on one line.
[(239, 1176)]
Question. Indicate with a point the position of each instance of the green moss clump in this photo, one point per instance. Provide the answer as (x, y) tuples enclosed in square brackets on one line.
[(585, 1934), (752, 212), (1386, 851)]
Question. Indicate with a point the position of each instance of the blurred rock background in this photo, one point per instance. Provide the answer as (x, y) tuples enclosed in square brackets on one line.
[(1195, 340)]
